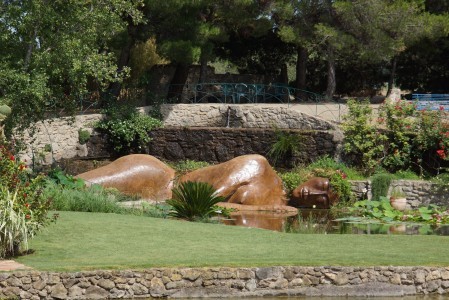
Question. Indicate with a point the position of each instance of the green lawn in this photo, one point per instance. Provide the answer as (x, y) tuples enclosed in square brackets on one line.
[(85, 241)]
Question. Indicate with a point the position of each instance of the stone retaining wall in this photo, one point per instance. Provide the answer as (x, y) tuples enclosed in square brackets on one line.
[(56, 139), (222, 144), (227, 282), (242, 115), (418, 192)]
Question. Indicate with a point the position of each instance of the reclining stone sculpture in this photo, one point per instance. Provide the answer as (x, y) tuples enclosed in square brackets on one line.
[(136, 174), (247, 180), (315, 192)]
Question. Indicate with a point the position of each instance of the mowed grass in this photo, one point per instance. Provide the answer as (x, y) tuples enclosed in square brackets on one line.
[(86, 241)]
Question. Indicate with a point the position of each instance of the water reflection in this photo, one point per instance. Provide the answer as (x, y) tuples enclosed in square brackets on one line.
[(322, 221), (260, 219)]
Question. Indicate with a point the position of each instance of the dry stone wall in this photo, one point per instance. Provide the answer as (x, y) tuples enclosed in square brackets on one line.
[(222, 144), (56, 139), (226, 282), (418, 192), (242, 115)]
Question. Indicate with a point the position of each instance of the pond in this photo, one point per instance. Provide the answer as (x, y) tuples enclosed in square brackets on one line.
[(322, 221)]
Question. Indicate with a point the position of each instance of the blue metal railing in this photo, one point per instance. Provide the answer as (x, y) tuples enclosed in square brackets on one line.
[(221, 92)]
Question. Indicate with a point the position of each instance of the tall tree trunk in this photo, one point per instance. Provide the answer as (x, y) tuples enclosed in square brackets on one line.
[(301, 68), (301, 71), (331, 79), (178, 81), (284, 74), (123, 61), (201, 94), (203, 67), (392, 76), (30, 49)]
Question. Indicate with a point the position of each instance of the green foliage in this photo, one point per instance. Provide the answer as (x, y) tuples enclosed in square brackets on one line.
[(23, 207), (83, 136), (188, 165), (71, 194), (398, 119), (383, 211), (363, 142), (194, 201), (291, 180), (126, 128), (55, 54), (88, 199), (326, 162), (286, 145), (65, 180), (380, 184)]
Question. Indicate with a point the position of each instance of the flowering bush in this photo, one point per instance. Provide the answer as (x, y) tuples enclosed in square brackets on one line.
[(23, 209), (398, 119), (364, 143), (434, 132), (400, 140)]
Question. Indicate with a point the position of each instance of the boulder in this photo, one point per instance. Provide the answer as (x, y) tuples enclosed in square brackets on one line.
[(246, 180), (315, 192), (136, 174)]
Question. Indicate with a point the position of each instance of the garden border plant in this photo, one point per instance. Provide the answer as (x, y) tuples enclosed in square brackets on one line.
[(23, 206), (126, 128), (399, 140)]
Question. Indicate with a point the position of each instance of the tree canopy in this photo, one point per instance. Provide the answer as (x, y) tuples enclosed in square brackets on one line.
[(56, 54)]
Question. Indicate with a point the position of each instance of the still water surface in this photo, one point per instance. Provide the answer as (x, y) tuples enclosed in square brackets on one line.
[(321, 221)]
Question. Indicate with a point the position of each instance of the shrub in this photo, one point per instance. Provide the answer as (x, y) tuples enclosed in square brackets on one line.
[(363, 142), (188, 165), (398, 118), (23, 207), (285, 147), (326, 162), (380, 184), (83, 136), (89, 199), (126, 128), (194, 201), (291, 180)]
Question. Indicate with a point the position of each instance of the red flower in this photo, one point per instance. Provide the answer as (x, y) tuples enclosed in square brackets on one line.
[(25, 195), (441, 107), (27, 217), (441, 153), (11, 157), (27, 205)]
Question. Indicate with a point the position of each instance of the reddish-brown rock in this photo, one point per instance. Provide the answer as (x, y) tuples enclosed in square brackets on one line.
[(315, 192), (247, 180), (135, 174)]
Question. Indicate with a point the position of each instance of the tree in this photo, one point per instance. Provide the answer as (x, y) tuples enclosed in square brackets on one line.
[(55, 53), (185, 32), (384, 28), (296, 24), (424, 66)]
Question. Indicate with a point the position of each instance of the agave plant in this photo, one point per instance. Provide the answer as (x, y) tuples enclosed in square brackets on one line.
[(194, 200)]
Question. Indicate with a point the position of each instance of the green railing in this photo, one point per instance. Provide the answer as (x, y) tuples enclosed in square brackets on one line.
[(237, 93)]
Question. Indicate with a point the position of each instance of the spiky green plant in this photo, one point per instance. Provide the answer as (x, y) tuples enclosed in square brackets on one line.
[(286, 145), (14, 229), (194, 200)]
